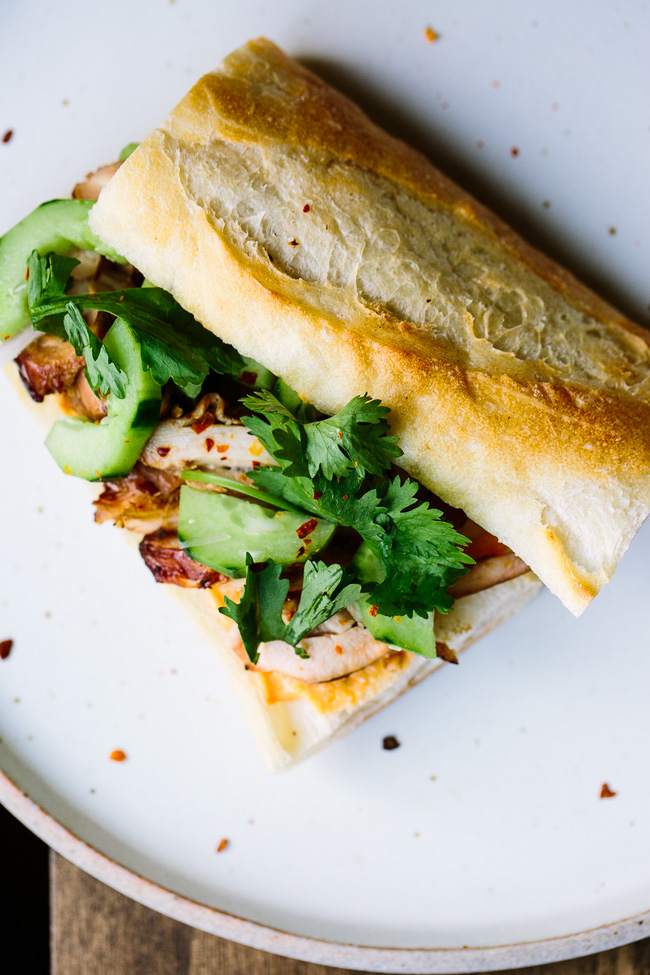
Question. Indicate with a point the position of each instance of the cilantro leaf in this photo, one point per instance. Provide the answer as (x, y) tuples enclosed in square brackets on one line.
[(420, 554), (326, 590), (48, 279), (356, 439), (342, 499), (174, 345), (258, 614), (103, 375)]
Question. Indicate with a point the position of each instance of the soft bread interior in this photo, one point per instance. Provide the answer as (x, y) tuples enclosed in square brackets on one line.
[(298, 231)]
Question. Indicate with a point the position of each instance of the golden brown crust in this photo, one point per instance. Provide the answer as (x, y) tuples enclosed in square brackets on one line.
[(549, 451)]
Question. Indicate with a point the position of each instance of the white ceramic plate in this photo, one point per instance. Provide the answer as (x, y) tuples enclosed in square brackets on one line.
[(485, 829)]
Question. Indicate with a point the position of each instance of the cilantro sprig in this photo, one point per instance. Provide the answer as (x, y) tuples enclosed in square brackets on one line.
[(326, 590), (333, 468), (102, 373), (354, 439), (419, 554), (174, 345)]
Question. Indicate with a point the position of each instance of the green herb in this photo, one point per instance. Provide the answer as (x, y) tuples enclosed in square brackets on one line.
[(420, 555), (174, 345), (258, 615), (103, 375), (237, 487), (356, 439)]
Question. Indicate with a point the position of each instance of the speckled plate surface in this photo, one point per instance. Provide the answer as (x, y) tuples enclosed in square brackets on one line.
[(482, 842)]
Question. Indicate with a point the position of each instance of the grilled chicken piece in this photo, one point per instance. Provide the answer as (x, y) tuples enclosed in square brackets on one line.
[(94, 183), (487, 573), (143, 501), (331, 654), (170, 563), (206, 438), (81, 400), (48, 365)]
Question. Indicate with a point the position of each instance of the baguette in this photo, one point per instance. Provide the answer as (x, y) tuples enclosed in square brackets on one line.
[(301, 233)]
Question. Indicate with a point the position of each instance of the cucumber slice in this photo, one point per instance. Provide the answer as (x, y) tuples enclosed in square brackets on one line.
[(218, 530), (111, 448), (408, 632), (59, 226)]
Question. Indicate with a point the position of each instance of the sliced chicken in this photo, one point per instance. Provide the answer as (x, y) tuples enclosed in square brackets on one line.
[(48, 365), (331, 655), (170, 563), (487, 573), (207, 438), (143, 501), (94, 183), (81, 400)]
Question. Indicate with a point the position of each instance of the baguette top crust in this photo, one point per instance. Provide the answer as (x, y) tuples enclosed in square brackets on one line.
[(293, 227)]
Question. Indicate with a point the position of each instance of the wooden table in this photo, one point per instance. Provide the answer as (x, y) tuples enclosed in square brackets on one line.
[(96, 931)]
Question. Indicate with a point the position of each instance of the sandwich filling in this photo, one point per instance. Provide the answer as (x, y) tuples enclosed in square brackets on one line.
[(319, 550)]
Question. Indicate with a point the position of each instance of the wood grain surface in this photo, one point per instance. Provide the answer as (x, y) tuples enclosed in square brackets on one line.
[(96, 931)]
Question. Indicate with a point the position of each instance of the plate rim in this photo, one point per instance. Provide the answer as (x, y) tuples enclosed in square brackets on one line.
[(212, 920)]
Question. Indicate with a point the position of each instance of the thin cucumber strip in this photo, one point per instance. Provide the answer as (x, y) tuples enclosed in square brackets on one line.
[(239, 488), (60, 226)]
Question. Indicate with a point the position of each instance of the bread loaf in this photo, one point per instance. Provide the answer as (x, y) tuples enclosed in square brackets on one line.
[(297, 230)]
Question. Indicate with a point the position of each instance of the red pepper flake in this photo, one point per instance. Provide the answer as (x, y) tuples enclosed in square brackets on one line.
[(345, 497), (250, 378), (306, 528), (317, 495), (256, 464), (162, 451), (5, 648), (514, 151), (338, 649), (293, 243), (223, 845), (222, 448), (117, 755), (431, 35), (340, 434), (390, 743), (209, 444), (301, 551), (606, 792), (306, 208), (27, 273), (7, 137), (373, 610), (202, 424)]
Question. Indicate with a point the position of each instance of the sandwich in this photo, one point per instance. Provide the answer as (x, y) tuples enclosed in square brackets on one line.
[(352, 418)]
